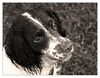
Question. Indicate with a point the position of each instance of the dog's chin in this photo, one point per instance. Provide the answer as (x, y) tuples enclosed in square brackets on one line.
[(64, 59), (64, 56)]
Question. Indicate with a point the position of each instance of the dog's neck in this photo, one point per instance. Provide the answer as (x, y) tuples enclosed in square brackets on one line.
[(48, 64)]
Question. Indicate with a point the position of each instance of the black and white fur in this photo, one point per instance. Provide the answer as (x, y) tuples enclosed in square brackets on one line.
[(37, 43)]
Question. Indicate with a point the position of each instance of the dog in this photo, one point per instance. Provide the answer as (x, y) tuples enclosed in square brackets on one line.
[(37, 43)]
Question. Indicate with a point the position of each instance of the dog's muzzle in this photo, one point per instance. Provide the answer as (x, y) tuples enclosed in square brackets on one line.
[(65, 48), (60, 48)]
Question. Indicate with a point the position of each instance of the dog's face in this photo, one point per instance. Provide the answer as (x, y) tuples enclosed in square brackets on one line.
[(34, 34)]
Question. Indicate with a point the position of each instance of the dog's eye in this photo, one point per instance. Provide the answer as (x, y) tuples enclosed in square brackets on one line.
[(52, 25), (37, 39), (39, 36)]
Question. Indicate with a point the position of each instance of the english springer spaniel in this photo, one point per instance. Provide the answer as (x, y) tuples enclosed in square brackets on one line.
[(37, 43)]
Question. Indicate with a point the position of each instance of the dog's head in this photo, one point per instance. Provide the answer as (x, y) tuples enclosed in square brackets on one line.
[(34, 34)]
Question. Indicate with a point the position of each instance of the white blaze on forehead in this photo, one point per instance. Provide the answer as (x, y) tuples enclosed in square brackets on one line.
[(31, 18), (37, 22)]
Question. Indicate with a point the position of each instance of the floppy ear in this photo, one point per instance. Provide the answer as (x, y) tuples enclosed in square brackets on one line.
[(58, 21), (20, 52)]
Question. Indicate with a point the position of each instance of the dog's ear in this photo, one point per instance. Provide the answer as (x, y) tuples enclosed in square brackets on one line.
[(58, 21), (19, 51)]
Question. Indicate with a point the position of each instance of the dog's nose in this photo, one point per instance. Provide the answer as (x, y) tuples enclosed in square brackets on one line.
[(65, 46)]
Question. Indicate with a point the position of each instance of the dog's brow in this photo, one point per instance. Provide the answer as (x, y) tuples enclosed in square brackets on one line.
[(37, 22)]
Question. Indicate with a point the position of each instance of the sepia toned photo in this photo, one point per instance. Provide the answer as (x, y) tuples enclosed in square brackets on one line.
[(50, 38)]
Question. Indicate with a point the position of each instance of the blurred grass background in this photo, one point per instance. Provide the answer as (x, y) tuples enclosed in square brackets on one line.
[(80, 22)]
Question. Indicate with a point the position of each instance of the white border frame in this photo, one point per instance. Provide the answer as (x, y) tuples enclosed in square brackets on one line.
[(50, 1)]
